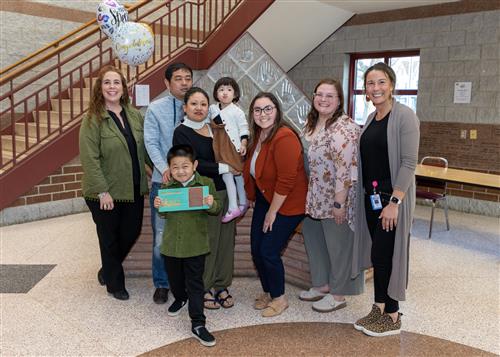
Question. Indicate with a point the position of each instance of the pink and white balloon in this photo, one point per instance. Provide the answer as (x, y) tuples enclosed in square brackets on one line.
[(133, 43), (110, 16)]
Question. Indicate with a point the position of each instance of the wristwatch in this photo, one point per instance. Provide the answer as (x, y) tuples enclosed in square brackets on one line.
[(337, 205), (101, 195), (395, 200)]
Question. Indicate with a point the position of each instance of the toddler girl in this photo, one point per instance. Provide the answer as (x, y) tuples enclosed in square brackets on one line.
[(230, 133)]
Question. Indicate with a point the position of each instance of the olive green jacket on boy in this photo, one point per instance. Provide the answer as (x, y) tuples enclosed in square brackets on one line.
[(186, 232), (106, 161)]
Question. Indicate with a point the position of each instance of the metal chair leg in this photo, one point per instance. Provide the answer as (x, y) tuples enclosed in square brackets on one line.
[(432, 218), (446, 214)]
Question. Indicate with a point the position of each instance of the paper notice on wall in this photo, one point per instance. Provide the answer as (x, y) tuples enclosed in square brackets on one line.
[(141, 95), (462, 93)]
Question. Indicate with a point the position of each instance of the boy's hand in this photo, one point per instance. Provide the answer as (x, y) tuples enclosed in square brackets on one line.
[(209, 200), (157, 202)]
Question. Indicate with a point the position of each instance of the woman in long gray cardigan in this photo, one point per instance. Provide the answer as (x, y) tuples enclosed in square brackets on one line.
[(388, 156)]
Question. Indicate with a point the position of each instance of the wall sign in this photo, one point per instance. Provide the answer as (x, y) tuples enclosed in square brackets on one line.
[(463, 92)]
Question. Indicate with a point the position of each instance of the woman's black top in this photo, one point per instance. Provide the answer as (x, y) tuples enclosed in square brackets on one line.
[(204, 152), (375, 156), (132, 146)]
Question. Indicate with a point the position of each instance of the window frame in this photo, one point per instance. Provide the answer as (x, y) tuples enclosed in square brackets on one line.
[(387, 55)]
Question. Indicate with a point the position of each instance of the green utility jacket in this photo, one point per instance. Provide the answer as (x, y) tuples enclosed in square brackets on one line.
[(106, 161), (186, 232)]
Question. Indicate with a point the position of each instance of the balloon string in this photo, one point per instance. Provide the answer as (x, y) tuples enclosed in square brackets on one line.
[(132, 89)]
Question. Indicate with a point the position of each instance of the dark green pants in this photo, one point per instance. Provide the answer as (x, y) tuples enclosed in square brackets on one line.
[(219, 263)]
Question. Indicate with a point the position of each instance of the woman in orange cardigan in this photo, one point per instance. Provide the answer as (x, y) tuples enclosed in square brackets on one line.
[(276, 182)]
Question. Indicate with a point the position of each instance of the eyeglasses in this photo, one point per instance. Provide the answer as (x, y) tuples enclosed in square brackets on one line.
[(328, 97), (266, 110)]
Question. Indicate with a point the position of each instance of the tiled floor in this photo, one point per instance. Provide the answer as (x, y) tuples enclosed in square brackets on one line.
[(453, 293)]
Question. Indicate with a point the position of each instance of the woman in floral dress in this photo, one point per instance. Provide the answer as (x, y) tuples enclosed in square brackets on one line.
[(331, 137)]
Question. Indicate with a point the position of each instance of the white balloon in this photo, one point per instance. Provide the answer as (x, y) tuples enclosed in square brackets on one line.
[(133, 43), (110, 16)]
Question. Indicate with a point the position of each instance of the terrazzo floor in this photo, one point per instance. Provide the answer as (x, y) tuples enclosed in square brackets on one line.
[(453, 293)]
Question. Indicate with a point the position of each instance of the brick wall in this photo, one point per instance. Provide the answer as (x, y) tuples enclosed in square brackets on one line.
[(62, 184), (481, 154)]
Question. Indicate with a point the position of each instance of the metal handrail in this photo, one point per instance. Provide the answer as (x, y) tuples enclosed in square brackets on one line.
[(48, 103)]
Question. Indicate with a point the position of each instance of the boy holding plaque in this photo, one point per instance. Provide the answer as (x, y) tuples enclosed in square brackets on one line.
[(185, 241)]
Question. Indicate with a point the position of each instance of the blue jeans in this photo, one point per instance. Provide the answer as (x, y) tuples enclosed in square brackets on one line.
[(160, 279), (266, 247)]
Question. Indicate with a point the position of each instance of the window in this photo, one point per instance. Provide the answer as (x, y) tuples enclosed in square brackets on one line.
[(405, 64)]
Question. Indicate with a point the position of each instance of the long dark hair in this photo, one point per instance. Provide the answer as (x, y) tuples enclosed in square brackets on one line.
[(313, 115), (97, 106), (279, 121)]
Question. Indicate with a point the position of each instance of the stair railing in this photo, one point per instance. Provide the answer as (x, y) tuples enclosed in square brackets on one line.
[(41, 98)]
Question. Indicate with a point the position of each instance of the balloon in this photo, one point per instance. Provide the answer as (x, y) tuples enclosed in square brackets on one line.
[(133, 43), (110, 16)]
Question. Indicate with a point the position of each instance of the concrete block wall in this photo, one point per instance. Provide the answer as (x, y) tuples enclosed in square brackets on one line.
[(19, 37), (453, 48), (462, 47)]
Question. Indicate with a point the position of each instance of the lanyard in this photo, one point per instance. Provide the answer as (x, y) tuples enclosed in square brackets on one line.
[(175, 111)]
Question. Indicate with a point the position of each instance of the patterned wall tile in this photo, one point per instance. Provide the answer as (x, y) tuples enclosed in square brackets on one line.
[(255, 71), (298, 113), (246, 52), (248, 90), (225, 67), (266, 73), (207, 84), (287, 93)]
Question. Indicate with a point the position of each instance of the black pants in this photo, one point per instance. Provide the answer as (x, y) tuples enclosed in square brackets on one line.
[(185, 276), (117, 230), (381, 255)]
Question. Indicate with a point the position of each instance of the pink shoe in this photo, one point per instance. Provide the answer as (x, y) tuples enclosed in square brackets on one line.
[(244, 208), (230, 215)]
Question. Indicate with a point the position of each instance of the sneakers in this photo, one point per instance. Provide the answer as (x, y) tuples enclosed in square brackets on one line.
[(311, 295), (384, 326), (275, 307), (160, 296), (176, 307), (201, 334), (372, 317), (262, 301), (328, 304), (230, 215)]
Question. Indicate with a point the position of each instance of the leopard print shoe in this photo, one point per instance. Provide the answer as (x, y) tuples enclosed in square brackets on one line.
[(373, 316), (384, 326)]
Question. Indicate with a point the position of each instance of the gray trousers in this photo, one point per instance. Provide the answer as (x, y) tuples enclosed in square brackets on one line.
[(329, 249)]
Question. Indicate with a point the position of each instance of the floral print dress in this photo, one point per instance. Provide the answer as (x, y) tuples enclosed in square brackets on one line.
[(332, 156)]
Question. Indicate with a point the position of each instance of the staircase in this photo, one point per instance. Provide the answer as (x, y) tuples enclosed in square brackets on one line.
[(44, 97)]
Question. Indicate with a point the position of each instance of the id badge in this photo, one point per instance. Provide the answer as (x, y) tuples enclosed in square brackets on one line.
[(376, 202)]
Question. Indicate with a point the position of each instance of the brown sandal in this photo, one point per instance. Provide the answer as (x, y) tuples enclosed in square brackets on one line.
[(224, 301), (210, 302)]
